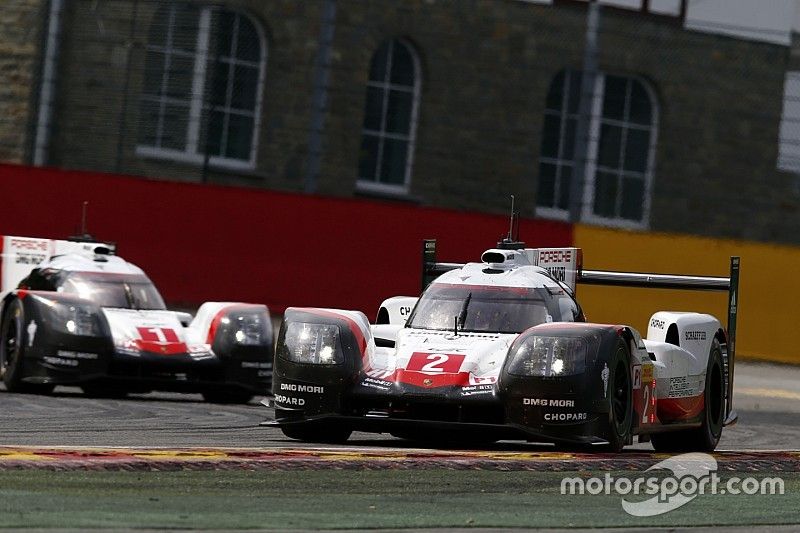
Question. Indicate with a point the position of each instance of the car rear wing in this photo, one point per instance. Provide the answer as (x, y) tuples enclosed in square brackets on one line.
[(20, 255), (565, 264)]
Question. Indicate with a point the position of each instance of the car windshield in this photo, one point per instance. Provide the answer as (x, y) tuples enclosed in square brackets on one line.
[(122, 291), (492, 309)]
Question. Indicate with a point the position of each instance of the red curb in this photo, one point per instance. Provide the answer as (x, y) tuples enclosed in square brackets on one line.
[(116, 459)]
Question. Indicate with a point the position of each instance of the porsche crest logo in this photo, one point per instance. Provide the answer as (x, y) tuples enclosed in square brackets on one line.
[(427, 382)]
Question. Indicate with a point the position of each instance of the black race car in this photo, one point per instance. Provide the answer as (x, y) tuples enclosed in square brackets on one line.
[(500, 349), (80, 315)]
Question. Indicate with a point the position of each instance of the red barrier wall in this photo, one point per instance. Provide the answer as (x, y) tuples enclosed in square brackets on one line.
[(202, 242)]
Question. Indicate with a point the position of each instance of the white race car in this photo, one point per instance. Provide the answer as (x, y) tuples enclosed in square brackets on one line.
[(500, 349), (74, 313)]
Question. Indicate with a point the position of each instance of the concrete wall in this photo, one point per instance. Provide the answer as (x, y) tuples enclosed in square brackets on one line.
[(200, 243)]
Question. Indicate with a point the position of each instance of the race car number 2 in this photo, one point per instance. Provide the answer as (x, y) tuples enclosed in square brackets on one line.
[(448, 363), (158, 334)]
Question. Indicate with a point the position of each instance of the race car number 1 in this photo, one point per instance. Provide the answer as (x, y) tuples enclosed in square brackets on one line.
[(448, 363), (158, 334)]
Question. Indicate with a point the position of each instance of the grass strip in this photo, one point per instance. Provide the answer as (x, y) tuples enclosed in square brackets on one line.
[(348, 499)]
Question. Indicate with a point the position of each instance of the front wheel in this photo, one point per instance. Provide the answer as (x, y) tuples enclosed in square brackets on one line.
[(706, 437), (618, 393), (12, 352)]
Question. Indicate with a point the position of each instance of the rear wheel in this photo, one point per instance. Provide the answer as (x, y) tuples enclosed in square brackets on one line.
[(323, 433), (12, 352), (618, 392), (706, 437)]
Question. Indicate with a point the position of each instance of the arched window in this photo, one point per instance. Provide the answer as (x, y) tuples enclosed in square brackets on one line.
[(390, 118), (619, 158), (202, 87)]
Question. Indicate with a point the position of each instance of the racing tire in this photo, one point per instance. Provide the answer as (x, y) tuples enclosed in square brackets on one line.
[(227, 396), (103, 390), (12, 352), (706, 437), (325, 434), (620, 399)]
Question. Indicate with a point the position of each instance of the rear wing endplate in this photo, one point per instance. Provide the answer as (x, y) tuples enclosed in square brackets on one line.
[(20, 255), (570, 268)]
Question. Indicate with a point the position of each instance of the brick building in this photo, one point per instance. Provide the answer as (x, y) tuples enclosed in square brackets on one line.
[(679, 119)]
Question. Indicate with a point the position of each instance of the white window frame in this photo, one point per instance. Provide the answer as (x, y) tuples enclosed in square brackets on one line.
[(789, 131), (195, 152), (563, 116), (590, 170), (386, 86)]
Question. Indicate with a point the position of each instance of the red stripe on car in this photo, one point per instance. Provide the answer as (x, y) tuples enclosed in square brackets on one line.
[(670, 409), (422, 379), (163, 348), (212, 329)]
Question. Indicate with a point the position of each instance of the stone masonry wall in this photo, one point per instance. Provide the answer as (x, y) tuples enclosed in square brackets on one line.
[(20, 43), (486, 68)]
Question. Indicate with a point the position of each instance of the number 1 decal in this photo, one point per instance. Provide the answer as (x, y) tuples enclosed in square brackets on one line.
[(158, 334)]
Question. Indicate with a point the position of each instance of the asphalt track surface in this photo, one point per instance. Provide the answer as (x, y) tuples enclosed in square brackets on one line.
[(767, 398), (175, 432)]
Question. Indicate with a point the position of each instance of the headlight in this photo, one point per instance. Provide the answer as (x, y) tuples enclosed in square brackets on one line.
[(312, 343), (248, 328), (76, 320), (549, 357)]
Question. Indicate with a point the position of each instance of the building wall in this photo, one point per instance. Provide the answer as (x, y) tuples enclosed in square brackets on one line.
[(486, 66), (20, 44), (102, 71), (720, 106)]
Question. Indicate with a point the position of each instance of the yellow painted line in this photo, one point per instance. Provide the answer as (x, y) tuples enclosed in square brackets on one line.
[(23, 456), (183, 455), (781, 394)]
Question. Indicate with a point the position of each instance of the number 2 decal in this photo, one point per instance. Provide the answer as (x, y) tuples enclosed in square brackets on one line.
[(646, 393), (436, 363), (435, 359)]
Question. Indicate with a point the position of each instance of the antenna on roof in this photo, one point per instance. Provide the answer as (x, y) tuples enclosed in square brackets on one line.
[(83, 217), (512, 242), (84, 235), (511, 225)]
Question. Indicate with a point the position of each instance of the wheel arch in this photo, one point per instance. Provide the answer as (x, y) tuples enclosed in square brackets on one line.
[(8, 299)]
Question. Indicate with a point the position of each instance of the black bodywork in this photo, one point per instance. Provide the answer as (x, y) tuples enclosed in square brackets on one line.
[(51, 355), (570, 408)]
